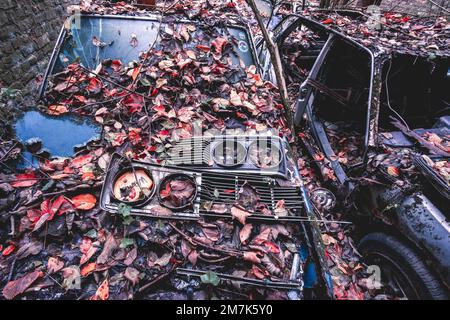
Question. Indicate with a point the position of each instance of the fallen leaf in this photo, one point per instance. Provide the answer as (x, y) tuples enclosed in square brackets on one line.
[(57, 109), (160, 82), (80, 161), (84, 201), (218, 44), (252, 256), (94, 86), (18, 286), (87, 249), (245, 232), (31, 248), (8, 250), (327, 239), (102, 292), (132, 274), (393, 171), (24, 180), (72, 278), (108, 248), (239, 214), (87, 269), (192, 257)]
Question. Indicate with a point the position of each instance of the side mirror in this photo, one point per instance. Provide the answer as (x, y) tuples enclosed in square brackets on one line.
[(301, 103)]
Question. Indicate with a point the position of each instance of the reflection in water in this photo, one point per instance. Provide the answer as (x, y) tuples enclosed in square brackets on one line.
[(58, 135)]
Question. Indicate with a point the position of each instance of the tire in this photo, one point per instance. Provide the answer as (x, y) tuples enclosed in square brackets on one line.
[(396, 258)]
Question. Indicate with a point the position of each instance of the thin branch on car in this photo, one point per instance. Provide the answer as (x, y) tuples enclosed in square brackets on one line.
[(276, 62), (422, 141)]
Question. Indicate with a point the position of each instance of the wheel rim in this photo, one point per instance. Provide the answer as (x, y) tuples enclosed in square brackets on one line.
[(393, 278)]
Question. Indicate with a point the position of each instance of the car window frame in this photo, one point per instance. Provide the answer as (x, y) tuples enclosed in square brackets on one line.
[(308, 99)]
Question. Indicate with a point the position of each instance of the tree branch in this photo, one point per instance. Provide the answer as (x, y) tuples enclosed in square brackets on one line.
[(276, 62)]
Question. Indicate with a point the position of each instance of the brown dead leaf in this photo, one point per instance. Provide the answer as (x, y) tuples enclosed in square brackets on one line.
[(102, 292), (18, 286), (110, 245), (132, 274), (239, 214), (252, 256), (192, 257), (245, 232)]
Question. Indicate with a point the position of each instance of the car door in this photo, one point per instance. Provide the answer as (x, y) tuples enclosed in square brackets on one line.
[(333, 105)]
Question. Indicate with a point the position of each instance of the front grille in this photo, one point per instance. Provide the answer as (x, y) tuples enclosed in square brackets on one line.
[(225, 189), (215, 188)]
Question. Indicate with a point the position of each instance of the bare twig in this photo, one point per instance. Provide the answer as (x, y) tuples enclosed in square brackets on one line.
[(198, 243), (276, 62), (422, 141), (439, 6), (156, 280)]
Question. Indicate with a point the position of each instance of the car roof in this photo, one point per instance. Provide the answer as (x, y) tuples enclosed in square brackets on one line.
[(397, 33)]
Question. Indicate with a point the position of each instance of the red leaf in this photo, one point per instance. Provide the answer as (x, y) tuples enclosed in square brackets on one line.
[(164, 193), (116, 65), (393, 171), (33, 215), (271, 246), (54, 208), (84, 201), (57, 109), (8, 250), (24, 180), (134, 102), (87, 269), (80, 161), (260, 274), (252, 256), (134, 136), (218, 44), (94, 86), (202, 48), (135, 73), (328, 21)]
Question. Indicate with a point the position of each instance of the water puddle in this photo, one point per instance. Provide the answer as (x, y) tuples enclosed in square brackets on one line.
[(56, 135)]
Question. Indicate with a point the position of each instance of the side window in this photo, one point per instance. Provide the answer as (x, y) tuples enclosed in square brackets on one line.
[(341, 101), (298, 52)]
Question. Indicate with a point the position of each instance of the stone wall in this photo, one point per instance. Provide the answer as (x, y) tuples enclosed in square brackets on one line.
[(28, 31)]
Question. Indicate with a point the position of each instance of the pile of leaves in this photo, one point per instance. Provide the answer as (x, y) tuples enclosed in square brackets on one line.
[(347, 272), (54, 240), (346, 142), (441, 167), (392, 32)]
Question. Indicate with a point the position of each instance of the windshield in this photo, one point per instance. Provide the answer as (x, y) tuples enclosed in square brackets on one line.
[(93, 39)]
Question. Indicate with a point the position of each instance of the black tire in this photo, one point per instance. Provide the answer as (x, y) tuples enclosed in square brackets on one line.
[(398, 258)]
